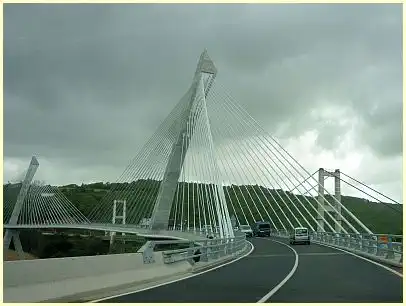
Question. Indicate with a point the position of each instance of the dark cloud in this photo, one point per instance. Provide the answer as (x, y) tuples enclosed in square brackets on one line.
[(89, 84)]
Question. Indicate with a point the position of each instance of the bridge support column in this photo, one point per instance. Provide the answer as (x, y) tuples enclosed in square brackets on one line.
[(337, 194), (320, 201), (202, 81), (121, 217), (13, 234), (167, 190)]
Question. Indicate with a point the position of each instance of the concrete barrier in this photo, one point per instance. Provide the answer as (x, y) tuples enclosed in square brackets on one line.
[(62, 278), (46, 279), (391, 262), (395, 262)]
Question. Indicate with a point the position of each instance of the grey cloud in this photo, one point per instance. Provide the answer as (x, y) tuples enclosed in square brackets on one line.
[(329, 136), (91, 83), (382, 130)]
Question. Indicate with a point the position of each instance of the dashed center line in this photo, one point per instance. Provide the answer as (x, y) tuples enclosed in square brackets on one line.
[(291, 255)]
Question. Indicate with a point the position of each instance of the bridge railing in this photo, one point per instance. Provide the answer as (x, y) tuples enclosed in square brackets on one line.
[(200, 250), (382, 247)]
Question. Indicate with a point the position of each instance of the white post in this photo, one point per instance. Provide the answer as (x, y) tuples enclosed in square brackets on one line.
[(337, 194), (320, 201), (124, 214), (113, 221)]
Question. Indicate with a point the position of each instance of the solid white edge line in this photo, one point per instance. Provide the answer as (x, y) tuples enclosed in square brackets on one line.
[(363, 258), (277, 287), (176, 280)]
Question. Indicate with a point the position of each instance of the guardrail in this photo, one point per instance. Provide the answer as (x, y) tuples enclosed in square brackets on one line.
[(77, 277), (202, 250), (382, 247)]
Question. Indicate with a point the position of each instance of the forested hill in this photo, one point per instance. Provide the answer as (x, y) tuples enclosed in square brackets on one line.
[(377, 216)]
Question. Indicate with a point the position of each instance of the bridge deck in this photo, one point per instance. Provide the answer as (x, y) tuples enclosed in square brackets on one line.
[(322, 275), (119, 228)]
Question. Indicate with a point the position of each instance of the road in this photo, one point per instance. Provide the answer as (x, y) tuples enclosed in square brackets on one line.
[(321, 275)]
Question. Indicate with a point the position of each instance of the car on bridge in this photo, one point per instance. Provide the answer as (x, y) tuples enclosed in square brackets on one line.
[(299, 235), (261, 228), (246, 229)]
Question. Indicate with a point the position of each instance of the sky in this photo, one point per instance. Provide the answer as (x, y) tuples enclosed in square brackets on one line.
[(85, 86)]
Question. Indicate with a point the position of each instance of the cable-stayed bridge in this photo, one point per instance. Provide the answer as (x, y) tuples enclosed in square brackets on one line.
[(208, 169)]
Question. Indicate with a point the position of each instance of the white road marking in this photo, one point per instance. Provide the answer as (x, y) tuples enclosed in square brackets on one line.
[(270, 255), (321, 254), (176, 280), (300, 254), (277, 287)]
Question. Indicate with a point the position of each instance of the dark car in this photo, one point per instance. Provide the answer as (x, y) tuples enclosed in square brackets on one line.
[(262, 228)]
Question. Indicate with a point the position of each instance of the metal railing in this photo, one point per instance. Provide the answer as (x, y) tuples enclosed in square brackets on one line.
[(202, 250), (384, 247)]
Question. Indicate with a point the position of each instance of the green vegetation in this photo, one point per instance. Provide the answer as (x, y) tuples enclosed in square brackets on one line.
[(56, 244), (246, 202), (253, 203)]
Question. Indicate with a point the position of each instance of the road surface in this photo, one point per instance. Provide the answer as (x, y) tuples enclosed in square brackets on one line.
[(321, 275)]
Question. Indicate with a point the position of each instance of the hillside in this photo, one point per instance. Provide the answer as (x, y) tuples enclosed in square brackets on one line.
[(376, 216)]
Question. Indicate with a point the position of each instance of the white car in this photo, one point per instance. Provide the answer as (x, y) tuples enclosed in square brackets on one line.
[(299, 235), (247, 230)]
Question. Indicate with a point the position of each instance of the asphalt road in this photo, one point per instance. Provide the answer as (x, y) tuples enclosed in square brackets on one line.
[(322, 275)]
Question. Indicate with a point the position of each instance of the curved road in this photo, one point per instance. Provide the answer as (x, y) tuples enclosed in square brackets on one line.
[(322, 274)]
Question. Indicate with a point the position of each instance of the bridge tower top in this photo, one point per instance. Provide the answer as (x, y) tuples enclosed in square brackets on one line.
[(205, 64)]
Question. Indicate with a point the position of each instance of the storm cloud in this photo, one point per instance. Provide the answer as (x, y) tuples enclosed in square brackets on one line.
[(85, 86)]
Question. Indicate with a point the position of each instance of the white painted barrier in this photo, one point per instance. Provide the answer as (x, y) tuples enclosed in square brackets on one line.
[(44, 279), (61, 278)]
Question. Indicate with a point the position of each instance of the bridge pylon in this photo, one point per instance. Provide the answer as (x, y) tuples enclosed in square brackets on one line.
[(320, 199), (14, 234), (204, 76), (116, 216)]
